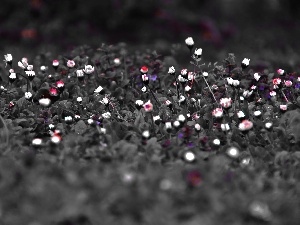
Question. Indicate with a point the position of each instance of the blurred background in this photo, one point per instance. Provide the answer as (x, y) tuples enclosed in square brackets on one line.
[(264, 30)]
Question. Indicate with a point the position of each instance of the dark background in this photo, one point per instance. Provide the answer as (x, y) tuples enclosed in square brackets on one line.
[(267, 31)]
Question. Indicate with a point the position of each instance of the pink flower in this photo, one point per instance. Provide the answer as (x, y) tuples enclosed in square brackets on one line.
[(217, 112), (144, 69), (288, 83), (184, 72), (245, 125), (70, 63), (280, 71), (148, 106), (283, 107), (225, 102), (55, 63), (276, 81)]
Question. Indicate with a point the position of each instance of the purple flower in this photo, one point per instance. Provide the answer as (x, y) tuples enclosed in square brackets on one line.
[(153, 77)]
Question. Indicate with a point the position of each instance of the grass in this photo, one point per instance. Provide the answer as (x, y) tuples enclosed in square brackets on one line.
[(102, 168)]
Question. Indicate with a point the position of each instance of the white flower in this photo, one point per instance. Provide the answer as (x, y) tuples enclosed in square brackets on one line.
[(198, 52), (88, 69), (257, 113), (256, 76), (268, 125), (79, 99), (229, 80), (189, 156), (216, 141), (105, 101), (168, 102), (187, 88), (90, 121), (103, 130), (181, 79), (181, 99), (106, 115), (68, 118), (8, 58), (43, 68), (30, 67), (235, 83), (171, 70), (144, 89), (240, 114), (37, 141), (79, 73), (45, 102), (99, 89), (245, 63), (197, 127), (139, 102), (247, 93), (28, 95), (181, 118), (233, 152), (205, 74), (168, 125), (21, 65), (146, 134), (155, 118), (51, 126), (13, 76), (191, 76), (30, 73), (225, 127), (189, 42), (117, 61), (272, 93)]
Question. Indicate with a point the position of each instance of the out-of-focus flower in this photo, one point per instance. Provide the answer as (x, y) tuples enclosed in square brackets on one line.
[(189, 42), (256, 76), (245, 125), (276, 82), (43, 68), (225, 102), (117, 61), (187, 88), (182, 79), (29, 67), (288, 83), (37, 141), (191, 76), (148, 106), (197, 127), (181, 99), (105, 101), (280, 72), (217, 112), (53, 91), (189, 156), (88, 69), (68, 119), (79, 99), (268, 125), (30, 74), (146, 134), (233, 152), (168, 126), (70, 63), (229, 80), (245, 63), (216, 141), (257, 113)]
